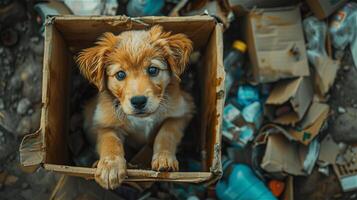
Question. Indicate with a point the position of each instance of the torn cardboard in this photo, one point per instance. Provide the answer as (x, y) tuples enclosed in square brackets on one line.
[(329, 150), (325, 74), (276, 44), (311, 124), (282, 156), (289, 101), (324, 8)]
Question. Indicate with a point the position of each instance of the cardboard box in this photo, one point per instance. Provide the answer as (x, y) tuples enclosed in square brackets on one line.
[(65, 36), (324, 8), (289, 100), (276, 44)]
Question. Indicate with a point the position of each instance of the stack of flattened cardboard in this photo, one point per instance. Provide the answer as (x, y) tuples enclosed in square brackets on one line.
[(278, 57)]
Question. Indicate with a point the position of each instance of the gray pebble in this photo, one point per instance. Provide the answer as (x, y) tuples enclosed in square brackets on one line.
[(2, 104), (341, 110), (23, 106)]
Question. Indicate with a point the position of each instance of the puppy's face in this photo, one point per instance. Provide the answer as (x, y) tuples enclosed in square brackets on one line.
[(136, 66)]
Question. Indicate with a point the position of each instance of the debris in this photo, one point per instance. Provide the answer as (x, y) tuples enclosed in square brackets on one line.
[(271, 57), (23, 105), (233, 63), (341, 110), (325, 67), (293, 96), (137, 8), (239, 182), (344, 127), (324, 8), (329, 150), (343, 29), (247, 95), (310, 126), (9, 37), (10, 180), (2, 104), (277, 187)]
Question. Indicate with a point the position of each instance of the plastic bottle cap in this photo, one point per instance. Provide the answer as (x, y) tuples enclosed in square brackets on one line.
[(240, 45), (276, 187)]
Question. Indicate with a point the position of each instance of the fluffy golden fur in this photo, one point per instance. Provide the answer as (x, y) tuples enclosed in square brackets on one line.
[(137, 74)]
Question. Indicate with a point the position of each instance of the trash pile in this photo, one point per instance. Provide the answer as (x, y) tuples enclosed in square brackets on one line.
[(278, 101), (290, 112)]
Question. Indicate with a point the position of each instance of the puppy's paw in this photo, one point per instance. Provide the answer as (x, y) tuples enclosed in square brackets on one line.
[(110, 172), (164, 161)]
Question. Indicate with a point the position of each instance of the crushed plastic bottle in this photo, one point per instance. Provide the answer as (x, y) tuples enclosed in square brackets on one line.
[(315, 32), (343, 29), (240, 183), (234, 62)]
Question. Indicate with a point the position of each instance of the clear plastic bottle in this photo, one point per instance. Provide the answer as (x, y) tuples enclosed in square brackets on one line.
[(234, 62)]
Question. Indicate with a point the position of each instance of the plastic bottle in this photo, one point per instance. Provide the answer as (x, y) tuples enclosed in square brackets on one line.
[(240, 183), (137, 8), (234, 62)]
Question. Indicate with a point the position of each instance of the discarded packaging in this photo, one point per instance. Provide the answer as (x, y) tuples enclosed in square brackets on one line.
[(325, 68), (253, 114), (306, 130), (343, 29), (324, 8), (276, 44), (329, 150), (239, 183), (247, 95), (233, 63), (296, 159), (289, 101), (277, 187), (50, 8)]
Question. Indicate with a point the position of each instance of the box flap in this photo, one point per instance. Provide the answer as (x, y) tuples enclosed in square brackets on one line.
[(325, 74), (282, 156), (276, 44), (283, 91), (296, 94), (310, 126), (329, 150), (32, 150)]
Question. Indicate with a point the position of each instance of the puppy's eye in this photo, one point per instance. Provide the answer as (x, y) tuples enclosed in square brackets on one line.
[(120, 75), (153, 71)]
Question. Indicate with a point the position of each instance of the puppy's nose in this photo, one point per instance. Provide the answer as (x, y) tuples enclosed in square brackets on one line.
[(138, 102)]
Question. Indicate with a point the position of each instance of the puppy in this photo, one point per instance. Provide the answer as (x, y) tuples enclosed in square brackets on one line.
[(137, 74)]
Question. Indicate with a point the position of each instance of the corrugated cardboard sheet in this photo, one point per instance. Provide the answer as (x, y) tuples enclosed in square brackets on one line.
[(295, 94), (276, 44)]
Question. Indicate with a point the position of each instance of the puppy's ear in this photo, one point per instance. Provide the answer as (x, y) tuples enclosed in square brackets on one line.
[(177, 46), (179, 54), (92, 60)]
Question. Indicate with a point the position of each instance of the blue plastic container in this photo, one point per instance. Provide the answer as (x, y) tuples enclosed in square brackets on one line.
[(241, 184)]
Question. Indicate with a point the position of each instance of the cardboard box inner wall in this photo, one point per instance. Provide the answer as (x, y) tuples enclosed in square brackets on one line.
[(65, 36)]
